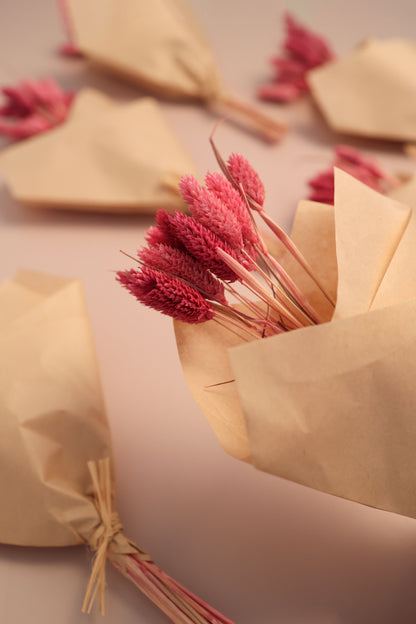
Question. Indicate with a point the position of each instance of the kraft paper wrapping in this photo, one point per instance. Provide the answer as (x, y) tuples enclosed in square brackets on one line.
[(331, 406), (52, 416), (107, 157), (157, 44), (370, 92), (160, 46)]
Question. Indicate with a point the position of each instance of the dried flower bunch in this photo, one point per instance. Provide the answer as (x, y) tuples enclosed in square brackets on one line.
[(351, 160), (303, 50), (195, 267), (33, 107)]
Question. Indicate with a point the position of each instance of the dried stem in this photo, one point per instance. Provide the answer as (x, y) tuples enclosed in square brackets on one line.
[(288, 299), (291, 247), (268, 128), (257, 288), (179, 604)]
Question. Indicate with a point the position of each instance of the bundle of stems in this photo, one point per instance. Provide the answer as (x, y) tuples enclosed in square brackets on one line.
[(179, 604), (109, 542)]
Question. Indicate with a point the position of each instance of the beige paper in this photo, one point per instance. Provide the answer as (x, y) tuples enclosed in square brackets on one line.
[(332, 406), (159, 46), (313, 230), (52, 416), (370, 92), (107, 157)]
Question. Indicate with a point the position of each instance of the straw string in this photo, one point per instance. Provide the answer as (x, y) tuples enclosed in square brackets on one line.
[(107, 540)]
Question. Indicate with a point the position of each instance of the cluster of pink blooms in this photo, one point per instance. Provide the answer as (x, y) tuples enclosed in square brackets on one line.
[(302, 51), (192, 264), (351, 160), (33, 107)]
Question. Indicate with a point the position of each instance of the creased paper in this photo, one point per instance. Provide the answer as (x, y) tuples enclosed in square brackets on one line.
[(52, 416), (332, 406), (370, 92), (107, 157), (157, 44)]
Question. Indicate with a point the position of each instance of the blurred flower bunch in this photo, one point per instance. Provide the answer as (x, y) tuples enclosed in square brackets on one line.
[(32, 107), (363, 168), (302, 51)]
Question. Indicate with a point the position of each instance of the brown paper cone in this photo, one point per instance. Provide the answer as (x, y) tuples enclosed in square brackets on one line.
[(331, 406), (371, 92), (56, 483), (107, 157), (52, 417), (160, 46), (157, 44)]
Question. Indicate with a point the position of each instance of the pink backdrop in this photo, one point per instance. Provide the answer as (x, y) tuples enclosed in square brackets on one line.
[(260, 549)]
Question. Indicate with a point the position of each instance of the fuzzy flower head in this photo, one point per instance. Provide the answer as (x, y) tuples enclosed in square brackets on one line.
[(181, 264), (244, 174), (166, 294), (207, 208), (230, 197), (202, 244)]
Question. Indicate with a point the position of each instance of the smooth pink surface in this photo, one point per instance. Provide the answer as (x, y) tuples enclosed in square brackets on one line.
[(258, 548)]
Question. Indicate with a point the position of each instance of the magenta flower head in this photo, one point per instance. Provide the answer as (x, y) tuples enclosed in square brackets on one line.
[(307, 47), (202, 244), (211, 211), (163, 232), (302, 51), (244, 174), (167, 294), (33, 107), (361, 167), (182, 265)]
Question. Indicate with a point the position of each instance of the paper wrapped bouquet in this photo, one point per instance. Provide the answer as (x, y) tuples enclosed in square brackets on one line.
[(330, 406), (56, 455), (319, 394)]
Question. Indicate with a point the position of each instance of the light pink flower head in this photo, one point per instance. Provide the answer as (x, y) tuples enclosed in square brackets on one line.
[(244, 174)]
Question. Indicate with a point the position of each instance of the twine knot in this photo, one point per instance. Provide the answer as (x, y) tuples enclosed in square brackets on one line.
[(107, 539)]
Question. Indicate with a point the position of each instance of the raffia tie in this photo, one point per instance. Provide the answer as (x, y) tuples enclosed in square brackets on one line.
[(108, 539)]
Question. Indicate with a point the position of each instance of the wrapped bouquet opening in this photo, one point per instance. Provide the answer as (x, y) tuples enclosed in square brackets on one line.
[(331, 404)]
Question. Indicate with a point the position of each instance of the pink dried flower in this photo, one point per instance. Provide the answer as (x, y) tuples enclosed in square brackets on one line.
[(197, 252), (201, 243), (361, 167), (33, 107), (224, 190), (244, 174), (166, 294), (306, 47), (163, 232), (211, 212), (302, 51), (184, 266)]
